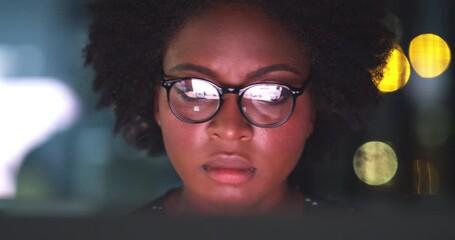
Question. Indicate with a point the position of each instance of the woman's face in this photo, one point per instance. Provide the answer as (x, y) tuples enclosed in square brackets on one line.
[(226, 163)]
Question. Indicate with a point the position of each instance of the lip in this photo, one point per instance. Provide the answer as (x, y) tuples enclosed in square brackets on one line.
[(229, 169)]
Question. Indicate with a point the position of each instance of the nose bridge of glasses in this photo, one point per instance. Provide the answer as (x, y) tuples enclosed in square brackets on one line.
[(229, 116), (229, 91), (232, 90)]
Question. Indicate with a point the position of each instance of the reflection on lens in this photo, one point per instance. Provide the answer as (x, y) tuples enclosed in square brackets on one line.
[(267, 105), (203, 90), (265, 92), (193, 100)]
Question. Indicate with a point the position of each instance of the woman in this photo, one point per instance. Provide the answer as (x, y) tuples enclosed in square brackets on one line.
[(235, 89)]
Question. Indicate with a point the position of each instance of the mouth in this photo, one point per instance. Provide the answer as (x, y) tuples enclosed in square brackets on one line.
[(229, 169)]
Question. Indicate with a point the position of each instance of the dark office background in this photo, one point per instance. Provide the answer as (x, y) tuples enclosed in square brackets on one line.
[(85, 169)]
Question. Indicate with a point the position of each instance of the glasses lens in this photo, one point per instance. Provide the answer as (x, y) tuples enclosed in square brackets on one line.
[(267, 105), (194, 100)]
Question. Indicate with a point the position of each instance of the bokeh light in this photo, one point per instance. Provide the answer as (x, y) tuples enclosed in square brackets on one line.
[(397, 71), (375, 163), (429, 55), (426, 178), (433, 124), (42, 107)]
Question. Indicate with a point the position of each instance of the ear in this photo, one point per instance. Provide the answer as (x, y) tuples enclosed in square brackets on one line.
[(156, 107)]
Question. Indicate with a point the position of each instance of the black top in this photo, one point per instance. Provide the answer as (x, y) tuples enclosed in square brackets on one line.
[(311, 205)]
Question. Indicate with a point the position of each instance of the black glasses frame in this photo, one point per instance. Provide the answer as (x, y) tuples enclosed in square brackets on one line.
[(168, 83)]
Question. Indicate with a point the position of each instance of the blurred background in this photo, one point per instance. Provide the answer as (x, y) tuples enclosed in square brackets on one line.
[(59, 156)]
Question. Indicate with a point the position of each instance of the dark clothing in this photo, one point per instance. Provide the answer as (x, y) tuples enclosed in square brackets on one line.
[(311, 205)]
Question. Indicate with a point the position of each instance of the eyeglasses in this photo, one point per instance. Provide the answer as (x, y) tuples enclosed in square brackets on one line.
[(196, 100)]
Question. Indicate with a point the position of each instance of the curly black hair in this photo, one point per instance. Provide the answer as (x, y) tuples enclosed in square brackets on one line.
[(346, 41)]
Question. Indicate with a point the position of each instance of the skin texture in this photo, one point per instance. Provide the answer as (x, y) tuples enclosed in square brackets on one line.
[(228, 44)]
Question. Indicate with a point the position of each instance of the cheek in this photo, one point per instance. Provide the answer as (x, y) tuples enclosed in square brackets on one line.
[(287, 142), (285, 146), (281, 153), (179, 138), (171, 128)]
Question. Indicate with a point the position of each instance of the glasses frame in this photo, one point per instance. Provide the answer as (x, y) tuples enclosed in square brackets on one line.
[(167, 83)]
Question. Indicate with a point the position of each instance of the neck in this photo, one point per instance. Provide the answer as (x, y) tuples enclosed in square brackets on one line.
[(285, 201)]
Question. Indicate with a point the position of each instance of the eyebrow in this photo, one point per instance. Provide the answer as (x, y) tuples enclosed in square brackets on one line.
[(193, 67), (274, 68), (259, 72)]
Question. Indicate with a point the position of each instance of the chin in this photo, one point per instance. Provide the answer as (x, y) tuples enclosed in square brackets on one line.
[(234, 196)]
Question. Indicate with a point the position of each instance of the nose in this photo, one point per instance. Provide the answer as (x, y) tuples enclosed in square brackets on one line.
[(229, 123)]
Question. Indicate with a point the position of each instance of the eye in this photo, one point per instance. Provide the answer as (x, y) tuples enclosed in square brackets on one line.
[(269, 94), (195, 91), (191, 96), (275, 101)]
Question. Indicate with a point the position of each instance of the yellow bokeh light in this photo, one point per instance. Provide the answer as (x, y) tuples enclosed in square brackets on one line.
[(397, 71), (426, 178), (375, 163), (429, 55)]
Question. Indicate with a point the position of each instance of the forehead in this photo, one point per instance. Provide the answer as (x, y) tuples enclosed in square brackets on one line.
[(234, 37)]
